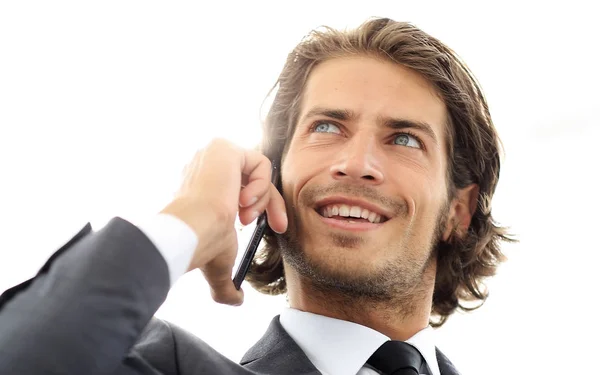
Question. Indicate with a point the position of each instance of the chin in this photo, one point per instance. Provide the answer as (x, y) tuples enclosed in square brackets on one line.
[(317, 251), (346, 256)]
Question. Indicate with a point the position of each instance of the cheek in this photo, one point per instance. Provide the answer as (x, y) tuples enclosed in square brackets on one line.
[(431, 205), (423, 193), (301, 165), (293, 177)]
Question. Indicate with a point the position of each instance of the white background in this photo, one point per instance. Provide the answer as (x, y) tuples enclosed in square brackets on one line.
[(102, 103)]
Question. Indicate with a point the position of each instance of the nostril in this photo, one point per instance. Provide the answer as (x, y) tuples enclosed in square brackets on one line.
[(366, 177)]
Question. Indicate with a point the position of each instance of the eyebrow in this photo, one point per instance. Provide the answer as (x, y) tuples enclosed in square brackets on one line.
[(388, 122)]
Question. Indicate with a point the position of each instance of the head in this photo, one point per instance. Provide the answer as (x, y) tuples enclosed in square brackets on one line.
[(383, 122)]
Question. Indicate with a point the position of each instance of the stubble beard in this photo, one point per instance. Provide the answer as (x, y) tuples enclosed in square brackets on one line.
[(398, 284)]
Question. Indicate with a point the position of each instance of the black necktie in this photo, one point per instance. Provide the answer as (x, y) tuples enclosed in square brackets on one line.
[(398, 358)]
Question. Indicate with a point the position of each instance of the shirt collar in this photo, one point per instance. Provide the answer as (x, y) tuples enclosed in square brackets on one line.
[(424, 341), (326, 340)]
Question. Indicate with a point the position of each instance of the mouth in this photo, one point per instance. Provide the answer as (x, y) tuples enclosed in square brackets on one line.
[(351, 211)]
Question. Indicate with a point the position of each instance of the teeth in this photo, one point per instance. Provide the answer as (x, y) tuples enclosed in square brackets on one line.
[(350, 211), (355, 211)]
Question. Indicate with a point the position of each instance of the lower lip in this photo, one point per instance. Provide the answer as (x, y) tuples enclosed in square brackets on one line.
[(361, 226)]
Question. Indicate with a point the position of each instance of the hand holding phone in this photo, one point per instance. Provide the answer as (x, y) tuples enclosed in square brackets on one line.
[(221, 182)]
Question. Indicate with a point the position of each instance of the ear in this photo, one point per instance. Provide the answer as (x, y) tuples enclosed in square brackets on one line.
[(462, 209)]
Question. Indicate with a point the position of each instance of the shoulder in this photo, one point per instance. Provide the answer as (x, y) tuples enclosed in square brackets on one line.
[(172, 350), (156, 347)]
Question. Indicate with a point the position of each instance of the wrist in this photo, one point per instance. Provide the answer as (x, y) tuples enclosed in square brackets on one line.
[(201, 219)]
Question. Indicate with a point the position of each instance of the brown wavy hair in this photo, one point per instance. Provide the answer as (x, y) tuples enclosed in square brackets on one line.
[(473, 150)]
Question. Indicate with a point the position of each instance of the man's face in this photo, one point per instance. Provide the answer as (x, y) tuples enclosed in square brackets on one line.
[(364, 176)]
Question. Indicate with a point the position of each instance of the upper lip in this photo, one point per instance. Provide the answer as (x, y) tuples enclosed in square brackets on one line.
[(352, 201)]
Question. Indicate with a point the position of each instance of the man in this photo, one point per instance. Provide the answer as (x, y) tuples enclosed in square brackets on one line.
[(389, 160)]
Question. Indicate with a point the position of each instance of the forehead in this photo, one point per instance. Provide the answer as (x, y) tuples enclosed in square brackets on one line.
[(374, 87)]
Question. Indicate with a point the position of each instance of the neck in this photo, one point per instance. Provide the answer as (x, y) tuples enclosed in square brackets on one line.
[(399, 318)]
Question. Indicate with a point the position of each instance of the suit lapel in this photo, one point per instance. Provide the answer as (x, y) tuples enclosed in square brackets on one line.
[(275, 352), (446, 367)]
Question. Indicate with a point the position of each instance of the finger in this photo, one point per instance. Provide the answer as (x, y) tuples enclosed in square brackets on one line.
[(227, 294), (248, 214), (244, 179), (255, 191), (219, 167), (221, 285), (276, 212), (257, 168)]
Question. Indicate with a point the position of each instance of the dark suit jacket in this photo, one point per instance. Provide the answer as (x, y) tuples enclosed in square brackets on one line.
[(89, 310)]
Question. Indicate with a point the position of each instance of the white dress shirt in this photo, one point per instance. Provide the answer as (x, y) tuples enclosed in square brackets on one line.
[(338, 347), (335, 347)]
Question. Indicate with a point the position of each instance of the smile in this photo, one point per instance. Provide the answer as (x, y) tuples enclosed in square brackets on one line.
[(350, 213)]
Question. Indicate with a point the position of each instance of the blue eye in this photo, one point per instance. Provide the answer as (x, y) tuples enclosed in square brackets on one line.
[(326, 127), (408, 140)]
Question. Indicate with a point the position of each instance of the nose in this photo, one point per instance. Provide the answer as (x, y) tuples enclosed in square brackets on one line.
[(359, 161)]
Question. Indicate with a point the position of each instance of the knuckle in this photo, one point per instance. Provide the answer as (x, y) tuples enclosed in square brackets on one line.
[(261, 157)]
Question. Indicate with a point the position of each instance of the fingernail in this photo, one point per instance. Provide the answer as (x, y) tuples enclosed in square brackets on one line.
[(254, 215)]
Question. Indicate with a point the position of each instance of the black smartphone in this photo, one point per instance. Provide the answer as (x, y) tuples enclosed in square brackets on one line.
[(257, 235)]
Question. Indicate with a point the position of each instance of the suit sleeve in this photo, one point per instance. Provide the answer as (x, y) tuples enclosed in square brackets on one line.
[(86, 307)]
